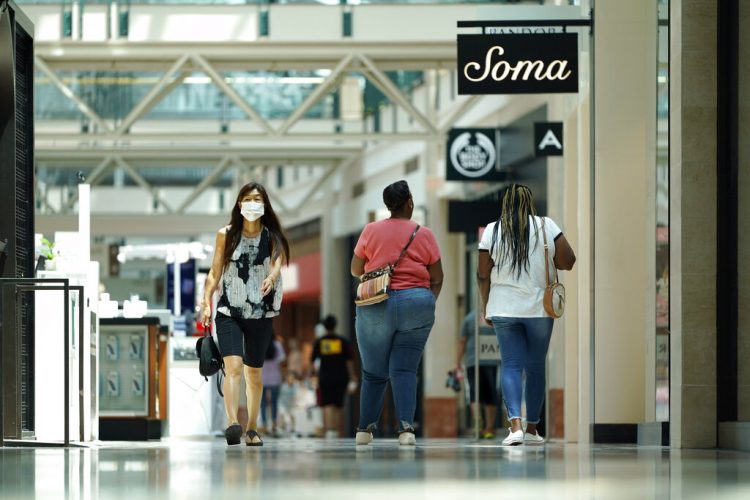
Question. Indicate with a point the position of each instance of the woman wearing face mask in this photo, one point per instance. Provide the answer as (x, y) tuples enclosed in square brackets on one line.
[(248, 256)]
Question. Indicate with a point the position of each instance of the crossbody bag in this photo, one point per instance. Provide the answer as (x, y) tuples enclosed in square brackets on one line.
[(554, 291), (373, 286)]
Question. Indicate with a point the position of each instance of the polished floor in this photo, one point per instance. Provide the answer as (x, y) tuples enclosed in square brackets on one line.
[(334, 469)]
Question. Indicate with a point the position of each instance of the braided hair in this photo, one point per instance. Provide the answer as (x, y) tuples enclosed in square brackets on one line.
[(517, 206)]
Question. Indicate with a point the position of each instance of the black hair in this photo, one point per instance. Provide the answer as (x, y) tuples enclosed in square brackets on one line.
[(330, 322), (396, 195), (279, 244)]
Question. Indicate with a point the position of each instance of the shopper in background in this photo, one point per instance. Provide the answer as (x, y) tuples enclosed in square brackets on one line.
[(272, 385), (392, 334), (247, 263), (294, 358), (335, 374), (488, 364), (288, 402), (511, 278)]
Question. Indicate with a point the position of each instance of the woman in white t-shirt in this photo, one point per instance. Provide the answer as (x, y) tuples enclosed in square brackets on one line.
[(511, 277)]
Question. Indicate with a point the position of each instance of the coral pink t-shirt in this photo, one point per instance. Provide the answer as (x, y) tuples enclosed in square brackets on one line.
[(381, 243)]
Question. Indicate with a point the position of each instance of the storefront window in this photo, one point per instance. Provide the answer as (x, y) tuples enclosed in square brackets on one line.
[(662, 216)]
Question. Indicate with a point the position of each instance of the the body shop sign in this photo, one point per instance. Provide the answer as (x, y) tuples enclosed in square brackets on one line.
[(473, 155), (518, 64)]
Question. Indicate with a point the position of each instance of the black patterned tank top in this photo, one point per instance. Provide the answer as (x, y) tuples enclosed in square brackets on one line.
[(241, 281)]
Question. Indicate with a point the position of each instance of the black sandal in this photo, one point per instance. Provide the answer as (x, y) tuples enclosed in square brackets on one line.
[(233, 434), (250, 435)]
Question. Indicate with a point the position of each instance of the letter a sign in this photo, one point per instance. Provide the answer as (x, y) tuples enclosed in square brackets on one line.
[(518, 64), (548, 139)]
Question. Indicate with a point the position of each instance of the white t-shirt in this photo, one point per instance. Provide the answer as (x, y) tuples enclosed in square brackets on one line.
[(522, 297)]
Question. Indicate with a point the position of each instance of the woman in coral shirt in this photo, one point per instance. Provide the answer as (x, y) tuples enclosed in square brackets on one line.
[(392, 334)]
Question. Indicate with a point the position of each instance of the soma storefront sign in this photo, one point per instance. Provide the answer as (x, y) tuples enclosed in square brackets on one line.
[(518, 64)]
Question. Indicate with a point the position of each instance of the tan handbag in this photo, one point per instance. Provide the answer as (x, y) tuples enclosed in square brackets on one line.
[(554, 292), (373, 286)]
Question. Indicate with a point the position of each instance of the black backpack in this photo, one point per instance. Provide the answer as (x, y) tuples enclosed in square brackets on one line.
[(210, 361)]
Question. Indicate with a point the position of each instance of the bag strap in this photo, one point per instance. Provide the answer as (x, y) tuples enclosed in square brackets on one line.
[(406, 247), (546, 255), (207, 333), (218, 380)]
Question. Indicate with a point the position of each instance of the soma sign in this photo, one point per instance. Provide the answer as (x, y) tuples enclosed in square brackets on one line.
[(518, 64)]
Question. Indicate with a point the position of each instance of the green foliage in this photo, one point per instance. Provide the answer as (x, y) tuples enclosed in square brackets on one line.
[(48, 250)]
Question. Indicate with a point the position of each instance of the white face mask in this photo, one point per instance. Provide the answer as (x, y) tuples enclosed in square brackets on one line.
[(252, 210)]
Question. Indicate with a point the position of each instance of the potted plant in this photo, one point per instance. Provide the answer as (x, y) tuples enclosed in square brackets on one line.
[(48, 252)]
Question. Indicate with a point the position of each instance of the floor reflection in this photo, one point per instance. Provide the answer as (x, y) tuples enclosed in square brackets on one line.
[(336, 469)]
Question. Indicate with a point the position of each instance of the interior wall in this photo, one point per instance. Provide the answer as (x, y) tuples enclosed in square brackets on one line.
[(743, 214)]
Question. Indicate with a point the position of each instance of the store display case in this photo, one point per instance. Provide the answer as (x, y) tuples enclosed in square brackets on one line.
[(132, 395)]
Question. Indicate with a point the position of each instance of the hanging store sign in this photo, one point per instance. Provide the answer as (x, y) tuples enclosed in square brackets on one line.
[(473, 155), (548, 138), (518, 64)]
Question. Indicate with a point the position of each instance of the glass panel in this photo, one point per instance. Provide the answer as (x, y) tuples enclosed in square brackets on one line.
[(274, 95), (123, 360), (662, 216)]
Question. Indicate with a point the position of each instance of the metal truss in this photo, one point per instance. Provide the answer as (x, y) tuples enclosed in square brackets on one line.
[(113, 144), (226, 163), (179, 60)]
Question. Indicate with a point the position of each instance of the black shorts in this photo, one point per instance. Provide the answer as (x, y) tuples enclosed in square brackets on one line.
[(248, 338), (487, 385), (332, 391)]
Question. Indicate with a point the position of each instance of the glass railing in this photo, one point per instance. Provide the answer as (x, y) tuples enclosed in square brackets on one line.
[(275, 96), (113, 95), (283, 2)]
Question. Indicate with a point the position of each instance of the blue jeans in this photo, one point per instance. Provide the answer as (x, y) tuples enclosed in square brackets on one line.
[(523, 345), (273, 392), (391, 337)]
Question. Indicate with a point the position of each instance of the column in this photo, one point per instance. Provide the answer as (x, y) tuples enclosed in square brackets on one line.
[(693, 109), (624, 212)]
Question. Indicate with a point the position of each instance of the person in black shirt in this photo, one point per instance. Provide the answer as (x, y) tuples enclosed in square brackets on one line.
[(336, 374)]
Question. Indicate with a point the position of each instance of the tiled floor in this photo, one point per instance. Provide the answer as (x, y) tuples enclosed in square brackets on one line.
[(328, 470)]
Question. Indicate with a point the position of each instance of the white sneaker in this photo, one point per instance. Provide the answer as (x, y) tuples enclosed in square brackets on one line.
[(514, 438), (331, 434), (407, 439), (533, 439), (363, 438)]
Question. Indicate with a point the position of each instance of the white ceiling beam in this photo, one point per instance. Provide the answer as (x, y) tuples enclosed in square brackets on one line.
[(68, 92), (325, 178), (317, 94), (44, 196), (92, 179), (154, 95), (310, 154), (465, 106), (276, 198), (218, 170), (231, 93), (97, 174), (386, 85), (265, 55), (138, 178), (168, 139), (182, 163)]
